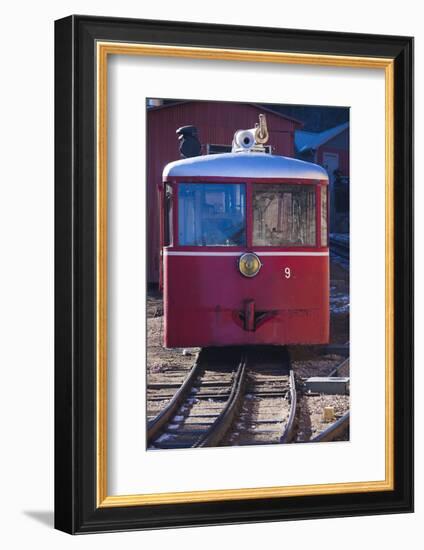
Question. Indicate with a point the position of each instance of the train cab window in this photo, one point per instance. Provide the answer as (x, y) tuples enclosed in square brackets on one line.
[(283, 215), (168, 236), (324, 216), (211, 214)]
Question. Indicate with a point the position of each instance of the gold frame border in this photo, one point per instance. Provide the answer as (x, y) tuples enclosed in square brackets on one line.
[(104, 49)]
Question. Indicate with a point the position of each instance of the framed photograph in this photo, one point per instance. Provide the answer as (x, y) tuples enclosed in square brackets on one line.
[(234, 274)]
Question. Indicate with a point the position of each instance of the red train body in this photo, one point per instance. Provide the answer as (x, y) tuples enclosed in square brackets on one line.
[(215, 210)]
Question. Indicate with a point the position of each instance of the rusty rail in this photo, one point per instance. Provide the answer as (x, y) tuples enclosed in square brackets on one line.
[(289, 429), (336, 429), (222, 424), (165, 415)]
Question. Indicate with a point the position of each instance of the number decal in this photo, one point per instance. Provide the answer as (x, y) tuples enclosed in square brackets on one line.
[(287, 273)]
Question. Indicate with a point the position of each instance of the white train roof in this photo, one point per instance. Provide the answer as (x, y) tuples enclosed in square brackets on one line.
[(244, 165)]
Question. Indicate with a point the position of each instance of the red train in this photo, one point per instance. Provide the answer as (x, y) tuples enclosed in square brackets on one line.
[(244, 247)]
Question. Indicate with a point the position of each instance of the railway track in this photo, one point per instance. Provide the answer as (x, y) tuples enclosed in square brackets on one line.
[(230, 397), (235, 397), (194, 417), (266, 414)]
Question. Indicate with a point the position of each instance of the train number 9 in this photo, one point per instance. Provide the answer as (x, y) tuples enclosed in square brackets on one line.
[(287, 272)]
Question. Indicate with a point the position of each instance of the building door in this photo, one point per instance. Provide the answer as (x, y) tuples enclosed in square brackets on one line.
[(330, 162)]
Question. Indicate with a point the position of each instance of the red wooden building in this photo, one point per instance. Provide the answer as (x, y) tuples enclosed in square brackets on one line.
[(216, 123), (330, 149)]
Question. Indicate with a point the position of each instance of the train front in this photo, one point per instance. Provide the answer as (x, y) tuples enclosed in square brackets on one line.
[(245, 248)]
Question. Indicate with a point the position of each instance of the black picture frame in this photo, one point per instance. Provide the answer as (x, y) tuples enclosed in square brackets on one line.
[(76, 509)]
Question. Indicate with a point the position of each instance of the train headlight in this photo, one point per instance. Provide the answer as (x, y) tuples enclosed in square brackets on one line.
[(249, 264)]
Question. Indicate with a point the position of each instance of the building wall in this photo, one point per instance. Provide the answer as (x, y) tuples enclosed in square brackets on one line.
[(216, 123), (339, 145), (339, 213)]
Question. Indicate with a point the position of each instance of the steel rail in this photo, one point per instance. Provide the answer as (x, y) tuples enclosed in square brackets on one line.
[(289, 429), (223, 422), (335, 371), (165, 415), (336, 429)]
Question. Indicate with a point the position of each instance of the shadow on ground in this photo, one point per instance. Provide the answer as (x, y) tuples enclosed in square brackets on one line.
[(45, 517)]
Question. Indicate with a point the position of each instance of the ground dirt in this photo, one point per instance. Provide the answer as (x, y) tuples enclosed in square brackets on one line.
[(310, 414)]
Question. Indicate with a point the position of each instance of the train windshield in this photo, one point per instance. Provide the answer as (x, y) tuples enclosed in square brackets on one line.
[(211, 214), (283, 215)]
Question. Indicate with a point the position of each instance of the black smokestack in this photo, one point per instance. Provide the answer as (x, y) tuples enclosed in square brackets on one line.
[(189, 142)]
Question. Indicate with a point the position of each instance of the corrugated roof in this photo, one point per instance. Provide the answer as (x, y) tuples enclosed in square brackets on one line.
[(312, 140)]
